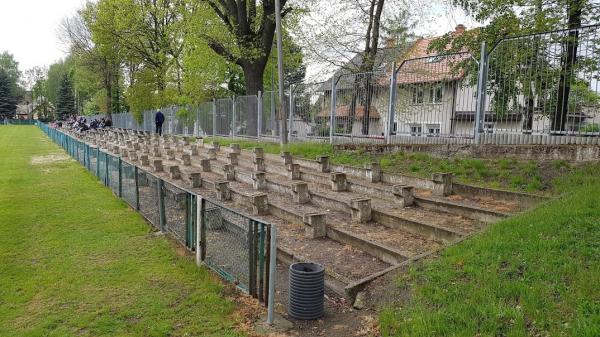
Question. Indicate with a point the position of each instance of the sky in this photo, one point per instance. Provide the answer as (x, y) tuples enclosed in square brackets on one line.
[(29, 29)]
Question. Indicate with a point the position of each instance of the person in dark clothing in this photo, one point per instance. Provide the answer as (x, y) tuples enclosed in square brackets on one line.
[(159, 119)]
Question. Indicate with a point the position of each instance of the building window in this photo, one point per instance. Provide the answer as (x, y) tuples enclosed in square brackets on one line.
[(395, 129), (417, 95), (488, 127), (436, 94), (416, 130), (433, 130)]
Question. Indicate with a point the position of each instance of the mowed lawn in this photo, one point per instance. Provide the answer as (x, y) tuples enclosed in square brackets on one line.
[(537, 274), (76, 261)]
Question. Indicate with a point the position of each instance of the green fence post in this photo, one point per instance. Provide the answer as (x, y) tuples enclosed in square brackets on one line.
[(251, 266), (98, 163), (203, 229), (137, 189), (161, 205), (261, 263), (120, 178), (106, 175)]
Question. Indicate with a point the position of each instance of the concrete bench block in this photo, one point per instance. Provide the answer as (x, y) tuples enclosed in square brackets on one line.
[(116, 149), (405, 194), (442, 184), (175, 172), (260, 204), (373, 172), (124, 152), (235, 148), (156, 152), (144, 160), (324, 164), (286, 158), (170, 155), (196, 179), (361, 210), (315, 225), (293, 171), (259, 165), (258, 152), (339, 182), (229, 172), (216, 146), (179, 148), (186, 159), (223, 191), (212, 154), (233, 158), (133, 155), (205, 165), (157, 165), (259, 181), (300, 193), (193, 150), (137, 146)]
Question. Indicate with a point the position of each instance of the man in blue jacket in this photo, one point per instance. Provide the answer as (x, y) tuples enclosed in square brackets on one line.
[(159, 119)]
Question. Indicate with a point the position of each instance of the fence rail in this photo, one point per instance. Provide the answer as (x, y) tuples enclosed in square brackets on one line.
[(539, 88), (236, 246)]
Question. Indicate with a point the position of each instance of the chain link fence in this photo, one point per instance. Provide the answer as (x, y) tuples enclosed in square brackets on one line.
[(233, 244)]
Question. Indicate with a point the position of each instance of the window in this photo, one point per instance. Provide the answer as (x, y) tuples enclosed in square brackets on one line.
[(395, 129), (417, 95), (416, 130), (488, 127), (433, 130), (436, 94)]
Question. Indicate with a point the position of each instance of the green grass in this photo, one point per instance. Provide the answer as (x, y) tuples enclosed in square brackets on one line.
[(537, 274), (76, 261), (510, 174)]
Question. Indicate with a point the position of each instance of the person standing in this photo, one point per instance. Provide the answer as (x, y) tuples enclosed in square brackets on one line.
[(159, 119)]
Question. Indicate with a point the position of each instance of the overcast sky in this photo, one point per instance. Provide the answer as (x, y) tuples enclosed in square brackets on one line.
[(28, 29)]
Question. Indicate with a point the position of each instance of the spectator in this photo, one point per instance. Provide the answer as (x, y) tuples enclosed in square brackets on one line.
[(159, 119)]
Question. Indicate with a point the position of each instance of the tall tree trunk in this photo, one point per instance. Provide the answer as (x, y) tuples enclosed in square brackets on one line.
[(568, 61), (253, 75)]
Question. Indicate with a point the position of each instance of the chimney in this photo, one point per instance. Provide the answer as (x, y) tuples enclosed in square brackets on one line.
[(460, 29), (390, 42)]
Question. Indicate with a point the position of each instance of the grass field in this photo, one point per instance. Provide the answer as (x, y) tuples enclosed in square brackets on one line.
[(76, 261), (510, 174), (537, 274)]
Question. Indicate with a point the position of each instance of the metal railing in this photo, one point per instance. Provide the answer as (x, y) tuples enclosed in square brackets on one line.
[(236, 246), (534, 89)]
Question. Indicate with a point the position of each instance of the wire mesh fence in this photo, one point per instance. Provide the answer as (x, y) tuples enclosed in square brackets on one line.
[(310, 109), (233, 244)]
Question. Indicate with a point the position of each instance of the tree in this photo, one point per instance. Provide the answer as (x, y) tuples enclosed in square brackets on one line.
[(8, 101), (11, 67), (65, 103)]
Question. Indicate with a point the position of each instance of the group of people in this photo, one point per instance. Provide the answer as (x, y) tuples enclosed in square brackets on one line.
[(80, 123)]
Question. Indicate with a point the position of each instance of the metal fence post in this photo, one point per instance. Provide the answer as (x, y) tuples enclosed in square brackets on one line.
[(137, 188), (332, 114), (251, 262), (120, 178), (291, 114), (259, 114), (392, 106), (481, 93), (199, 216), (214, 118), (161, 205), (272, 277), (233, 116)]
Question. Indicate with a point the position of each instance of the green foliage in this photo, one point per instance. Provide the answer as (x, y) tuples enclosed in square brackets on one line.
[(97, 268), (65, 100), (8, 100), (186, 116), (594, 127), (532, 275)]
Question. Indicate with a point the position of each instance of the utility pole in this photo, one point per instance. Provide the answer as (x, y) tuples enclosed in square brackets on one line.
[(282, 110)]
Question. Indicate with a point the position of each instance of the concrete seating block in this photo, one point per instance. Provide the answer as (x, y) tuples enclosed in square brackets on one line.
[(235, 148), (195, 179), (156, 152), (175, 172), (186, 159), (193, 150), (124, 153), (133, 155), (259, 165), (260, 204), (216, 146), (229, 172), (205, 165), (223, 191), (144, 160), (212, 154), (286, 157), (315, 225), (170, 155), (293, 171), (324, 164), (259, 181), (405, 194), (442, 184), (116, 149), (300, 192), (157, 165), (373, 172), (338, 182), (361, 210), (233, 158), (258, 152)]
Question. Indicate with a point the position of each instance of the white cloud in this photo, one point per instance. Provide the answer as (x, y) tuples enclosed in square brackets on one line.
[(29, 29)]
